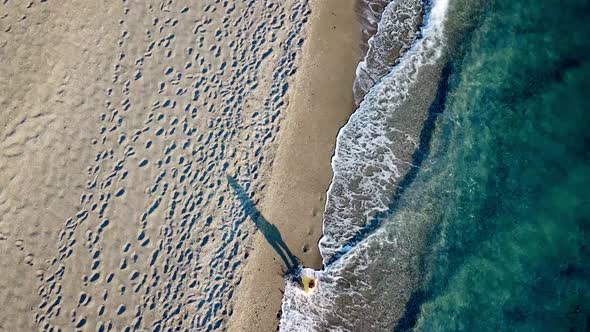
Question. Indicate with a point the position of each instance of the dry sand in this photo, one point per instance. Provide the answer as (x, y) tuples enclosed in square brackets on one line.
[(46, 125), (320, 104)]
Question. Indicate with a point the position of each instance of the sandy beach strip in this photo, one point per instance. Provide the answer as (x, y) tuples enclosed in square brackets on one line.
[(120, 121), (320, 104)]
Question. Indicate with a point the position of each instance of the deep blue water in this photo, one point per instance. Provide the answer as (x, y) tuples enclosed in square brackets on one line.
[(511, 247)]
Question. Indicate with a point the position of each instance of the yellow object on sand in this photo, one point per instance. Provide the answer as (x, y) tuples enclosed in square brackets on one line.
[(309, 280)]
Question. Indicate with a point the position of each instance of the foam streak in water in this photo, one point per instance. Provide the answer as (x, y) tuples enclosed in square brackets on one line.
[(396, 31)]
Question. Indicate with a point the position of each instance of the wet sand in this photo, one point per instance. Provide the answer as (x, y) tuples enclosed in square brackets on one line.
[(320, 104)]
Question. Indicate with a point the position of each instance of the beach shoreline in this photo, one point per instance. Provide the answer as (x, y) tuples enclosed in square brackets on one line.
[(321, 102)]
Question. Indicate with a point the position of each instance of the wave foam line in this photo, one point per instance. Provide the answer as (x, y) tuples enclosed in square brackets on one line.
[(366, 171), (364, 162)]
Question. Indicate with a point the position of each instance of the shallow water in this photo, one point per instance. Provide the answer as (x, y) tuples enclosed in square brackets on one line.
[(489, 230)]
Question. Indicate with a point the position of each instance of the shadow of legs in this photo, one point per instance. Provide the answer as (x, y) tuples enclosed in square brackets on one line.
[(271, 232)]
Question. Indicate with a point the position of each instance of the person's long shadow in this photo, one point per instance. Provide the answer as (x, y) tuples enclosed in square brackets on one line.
[(271, 232)]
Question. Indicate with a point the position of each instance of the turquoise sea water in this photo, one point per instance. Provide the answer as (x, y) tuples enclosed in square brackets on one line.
[(510, 173), (461, 191)]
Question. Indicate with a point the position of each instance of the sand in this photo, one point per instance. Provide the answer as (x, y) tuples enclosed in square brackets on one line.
[(320, 105), (119, 123), (45, 132)]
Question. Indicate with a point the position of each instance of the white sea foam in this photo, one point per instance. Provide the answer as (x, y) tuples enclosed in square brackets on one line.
[(371, 157), (365, 162), (396, 31)]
